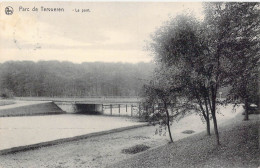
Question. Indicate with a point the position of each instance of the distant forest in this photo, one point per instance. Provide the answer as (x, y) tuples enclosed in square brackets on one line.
[(66, 79)]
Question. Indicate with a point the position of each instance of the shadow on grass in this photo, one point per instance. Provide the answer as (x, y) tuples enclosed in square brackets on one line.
[(188, 132), (135, 149)]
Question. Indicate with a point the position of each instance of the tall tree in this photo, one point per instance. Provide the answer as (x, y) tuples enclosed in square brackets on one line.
[(196, 49), (238, 27)]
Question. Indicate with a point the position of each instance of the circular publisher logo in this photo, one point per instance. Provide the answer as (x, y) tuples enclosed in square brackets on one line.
[(9, 10)]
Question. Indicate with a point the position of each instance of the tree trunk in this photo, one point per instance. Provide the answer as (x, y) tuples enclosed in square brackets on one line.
[(208, 125), (168, 122), (213, 113), (246, 110), (207, 117), (216, 128), (205, 114)]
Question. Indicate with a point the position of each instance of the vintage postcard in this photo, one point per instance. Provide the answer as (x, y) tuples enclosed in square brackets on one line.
[(129, 84)]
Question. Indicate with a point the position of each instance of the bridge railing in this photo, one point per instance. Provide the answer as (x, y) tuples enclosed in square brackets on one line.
[(121, 109)]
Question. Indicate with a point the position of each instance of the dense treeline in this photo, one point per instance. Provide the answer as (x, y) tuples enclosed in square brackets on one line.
[(66, 79)]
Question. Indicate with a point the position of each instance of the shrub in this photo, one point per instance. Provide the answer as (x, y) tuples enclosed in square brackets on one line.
[(135, 149), (5, 94)]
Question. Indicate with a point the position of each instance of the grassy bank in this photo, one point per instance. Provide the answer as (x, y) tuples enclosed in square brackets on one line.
[(239, 148)]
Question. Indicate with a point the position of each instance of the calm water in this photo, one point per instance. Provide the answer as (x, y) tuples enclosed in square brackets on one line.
[(19, 131)]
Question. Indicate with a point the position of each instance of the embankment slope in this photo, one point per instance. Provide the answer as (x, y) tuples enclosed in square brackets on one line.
[(27, 109), (239, 148)]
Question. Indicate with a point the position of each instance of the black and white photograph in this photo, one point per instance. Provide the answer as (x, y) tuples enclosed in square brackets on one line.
[(129, 84)]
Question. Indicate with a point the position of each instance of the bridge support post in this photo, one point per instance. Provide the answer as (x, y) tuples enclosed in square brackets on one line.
[(139, 110), (119, 109), (110, 109), (131, 110)]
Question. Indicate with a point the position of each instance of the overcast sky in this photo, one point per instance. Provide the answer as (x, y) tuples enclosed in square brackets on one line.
[(110, 32)]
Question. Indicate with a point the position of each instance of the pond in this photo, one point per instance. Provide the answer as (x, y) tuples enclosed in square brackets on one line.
[(26, 130)]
